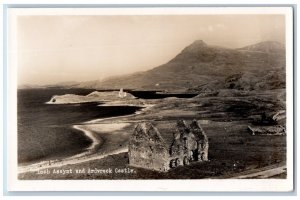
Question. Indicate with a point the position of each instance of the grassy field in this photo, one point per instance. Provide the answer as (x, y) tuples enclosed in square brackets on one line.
[(232, 150)]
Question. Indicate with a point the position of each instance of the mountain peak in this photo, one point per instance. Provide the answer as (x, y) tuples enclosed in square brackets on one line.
[(198, 43), (208, 68), (196, 46)]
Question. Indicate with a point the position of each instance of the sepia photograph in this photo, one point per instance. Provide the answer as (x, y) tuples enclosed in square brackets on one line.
[(152, 94)]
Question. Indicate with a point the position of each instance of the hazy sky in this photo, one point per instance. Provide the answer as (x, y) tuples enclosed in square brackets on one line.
[(55, 49)]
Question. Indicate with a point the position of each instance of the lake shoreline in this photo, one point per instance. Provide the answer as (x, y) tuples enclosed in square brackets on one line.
[(46, 132), (90, 152)]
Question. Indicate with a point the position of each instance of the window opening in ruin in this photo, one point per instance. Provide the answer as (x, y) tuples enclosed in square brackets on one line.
[(191, 155), (185, 143), (202, 156), (172, 163), (186, 161), (177, 162)]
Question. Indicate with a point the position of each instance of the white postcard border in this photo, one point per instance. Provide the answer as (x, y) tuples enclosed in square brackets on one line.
[(273, 185)]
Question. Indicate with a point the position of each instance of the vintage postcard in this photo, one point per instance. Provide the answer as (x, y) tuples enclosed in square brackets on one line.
[(150, 99)]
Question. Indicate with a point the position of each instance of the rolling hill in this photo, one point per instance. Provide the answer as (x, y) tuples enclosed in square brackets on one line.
[(266, 47)]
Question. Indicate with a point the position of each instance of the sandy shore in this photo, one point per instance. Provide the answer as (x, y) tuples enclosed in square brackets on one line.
[(67, 161), (97, 150), (103, 133), (95, 141)]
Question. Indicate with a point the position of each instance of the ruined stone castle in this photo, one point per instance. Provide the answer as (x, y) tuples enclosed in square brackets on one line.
[(156, 149)]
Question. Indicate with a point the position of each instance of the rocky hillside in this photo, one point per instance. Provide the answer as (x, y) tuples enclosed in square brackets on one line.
[(203, 67)]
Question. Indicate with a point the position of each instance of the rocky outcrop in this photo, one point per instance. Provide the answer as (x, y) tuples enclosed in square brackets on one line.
[(267, 130), (280, 117)]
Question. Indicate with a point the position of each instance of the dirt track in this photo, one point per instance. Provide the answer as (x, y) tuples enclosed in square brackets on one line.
[(264, 172)]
